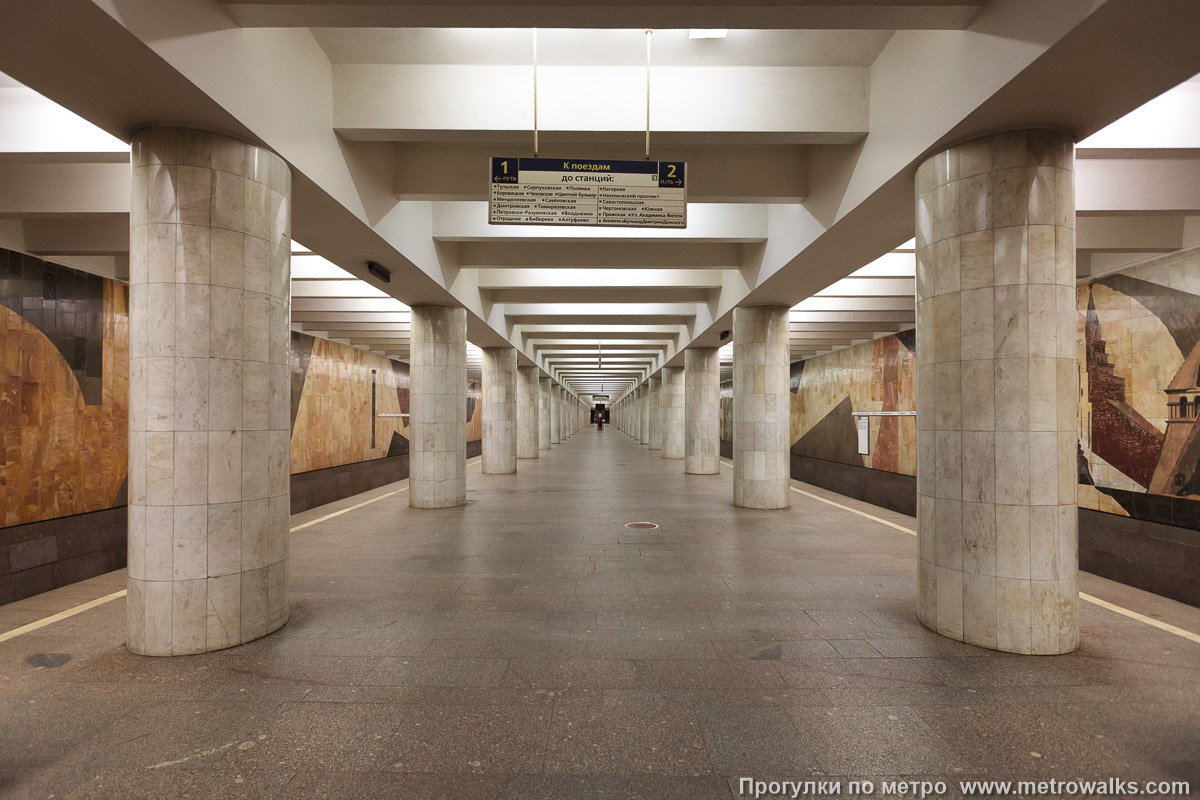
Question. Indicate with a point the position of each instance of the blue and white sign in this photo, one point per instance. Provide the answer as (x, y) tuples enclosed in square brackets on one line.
[(582, 191)]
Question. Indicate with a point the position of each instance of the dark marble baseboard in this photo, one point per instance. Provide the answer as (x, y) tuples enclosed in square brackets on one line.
[(321, 486), (1163, 559), (41, 556), (46, 555), (727, 449), (888, 490)]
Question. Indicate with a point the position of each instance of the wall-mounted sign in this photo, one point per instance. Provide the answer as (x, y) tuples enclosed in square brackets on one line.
[(864, 435), (581, 191), (862, 423)]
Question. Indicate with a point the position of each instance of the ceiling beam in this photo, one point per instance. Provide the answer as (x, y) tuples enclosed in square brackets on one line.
[(606, 255), (805, 14), (1137, 185), (717, 173)]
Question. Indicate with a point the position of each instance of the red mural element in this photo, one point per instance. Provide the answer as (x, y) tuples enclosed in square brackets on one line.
[(886, 357), (1120, 435)]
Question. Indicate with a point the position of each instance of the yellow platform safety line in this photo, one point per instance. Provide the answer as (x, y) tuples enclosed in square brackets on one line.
[(70, 612), (310, 523), (1162, 626), (1157, 623), (909, 531), (79, 609)]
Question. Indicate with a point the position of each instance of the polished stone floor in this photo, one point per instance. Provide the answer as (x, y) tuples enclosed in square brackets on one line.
[(529, 645)]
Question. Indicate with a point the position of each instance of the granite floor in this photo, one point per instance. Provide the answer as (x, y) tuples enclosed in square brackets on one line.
[(528, 645)]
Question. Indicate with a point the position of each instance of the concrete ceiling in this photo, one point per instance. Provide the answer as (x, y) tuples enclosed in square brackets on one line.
[(802, 129), (600, 48)]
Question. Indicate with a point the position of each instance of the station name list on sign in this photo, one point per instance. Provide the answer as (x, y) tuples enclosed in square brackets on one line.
[(572, 191)]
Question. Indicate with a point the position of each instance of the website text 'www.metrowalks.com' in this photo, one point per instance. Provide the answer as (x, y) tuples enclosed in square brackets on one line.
[(1107, 787)]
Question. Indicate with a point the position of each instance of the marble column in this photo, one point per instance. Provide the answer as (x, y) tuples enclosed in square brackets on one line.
[(701, 411), (544, 414), (438, 394), (997, 393), (499, 410), (644, 427), (655, 395), (555, 424), (209, 420), (761, 407), (565, 415), (637, 414), (672, 412), (527, 412)]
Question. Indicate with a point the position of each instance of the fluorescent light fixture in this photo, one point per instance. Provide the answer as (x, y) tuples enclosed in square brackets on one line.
[(708, 33)]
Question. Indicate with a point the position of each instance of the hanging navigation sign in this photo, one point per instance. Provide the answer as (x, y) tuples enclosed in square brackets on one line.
[(573, 191)]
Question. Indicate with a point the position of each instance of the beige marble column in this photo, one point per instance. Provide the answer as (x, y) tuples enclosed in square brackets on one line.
[(701, 411), (644, 426), (528, 390), (637, 413), (564, 416), (499, 448), (761, 407), (209, 420), (555, 424), (997, 393), (672, 412), (655, 417), (438, 395), (545, 403)]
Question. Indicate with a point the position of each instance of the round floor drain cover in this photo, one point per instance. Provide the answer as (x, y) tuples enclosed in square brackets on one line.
[(640, 525)]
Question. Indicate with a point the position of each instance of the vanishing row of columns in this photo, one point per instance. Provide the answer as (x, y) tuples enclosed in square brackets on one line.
[(209, 440), (678, 410), (524, 411)]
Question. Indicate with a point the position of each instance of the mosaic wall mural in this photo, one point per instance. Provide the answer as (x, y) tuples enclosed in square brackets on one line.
[(64, 363), (879, 375), (1139, 355), (337, 393)]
